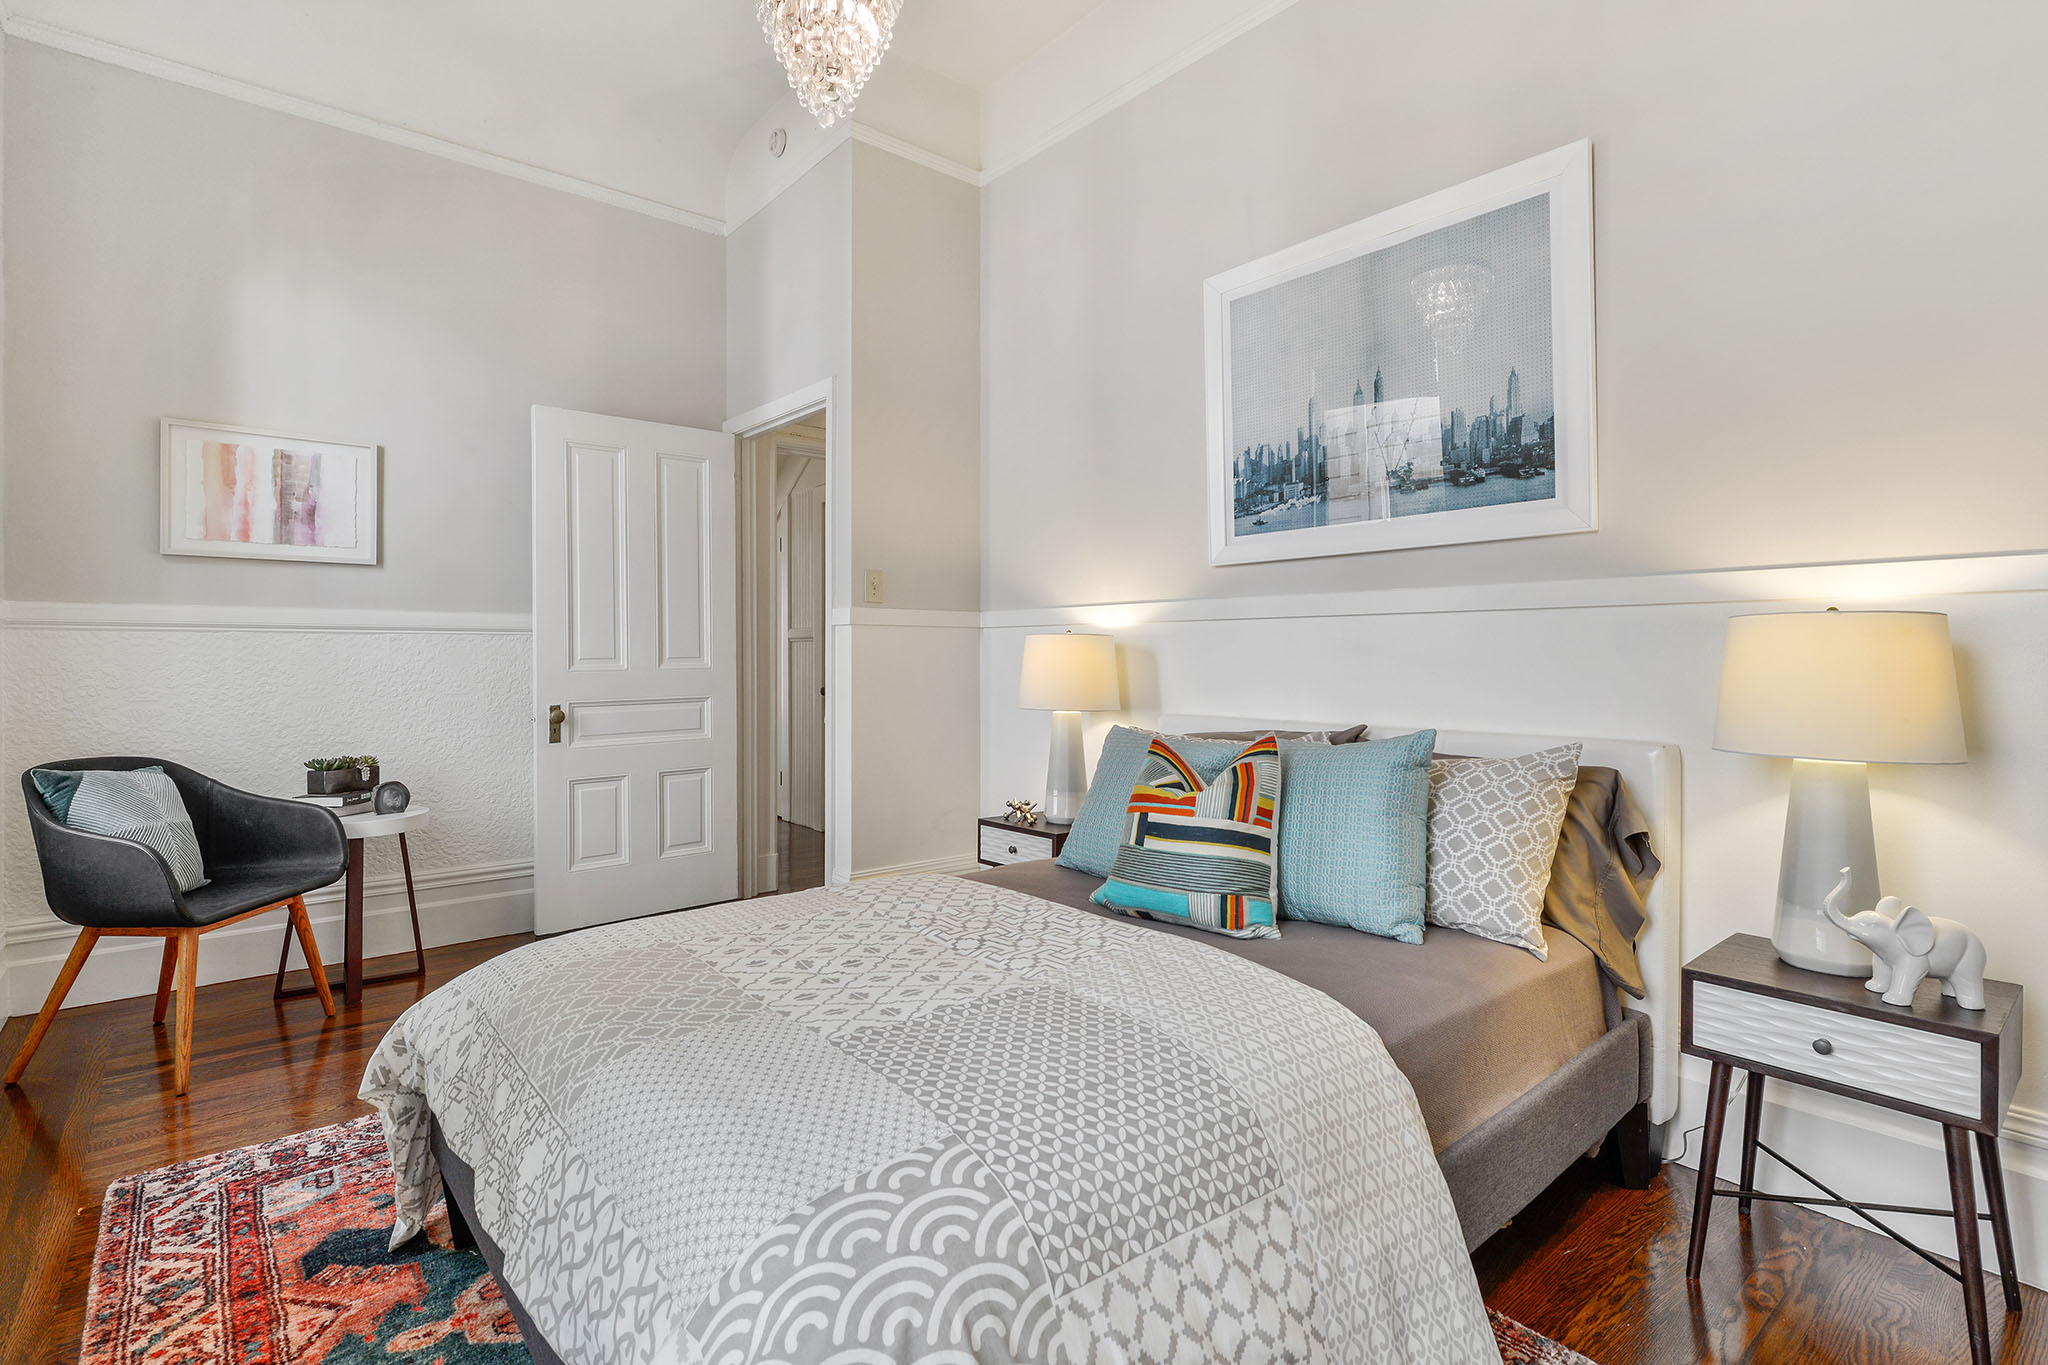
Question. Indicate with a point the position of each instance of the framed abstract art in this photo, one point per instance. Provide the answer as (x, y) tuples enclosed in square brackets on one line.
[(246, 494), (1422, 377)]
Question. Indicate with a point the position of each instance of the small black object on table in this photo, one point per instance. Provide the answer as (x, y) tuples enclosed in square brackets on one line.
[(1746, 1009)]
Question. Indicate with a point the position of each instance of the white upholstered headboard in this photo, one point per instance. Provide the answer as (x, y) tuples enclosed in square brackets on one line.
[(1652, 773)]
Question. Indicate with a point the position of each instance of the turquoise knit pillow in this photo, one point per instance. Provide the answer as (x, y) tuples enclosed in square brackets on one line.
[(1354, 835), (1098, 831)]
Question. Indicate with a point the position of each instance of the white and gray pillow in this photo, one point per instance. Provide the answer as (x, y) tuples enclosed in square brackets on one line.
[(1493, 826), (143, 807)]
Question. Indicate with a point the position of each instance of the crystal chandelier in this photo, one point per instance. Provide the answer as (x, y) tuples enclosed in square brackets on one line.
[(1447, 301), (829, 48)]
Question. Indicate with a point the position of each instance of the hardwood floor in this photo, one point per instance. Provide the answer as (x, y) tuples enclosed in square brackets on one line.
[(97, 1103), (1600, 1268), (799, 857)]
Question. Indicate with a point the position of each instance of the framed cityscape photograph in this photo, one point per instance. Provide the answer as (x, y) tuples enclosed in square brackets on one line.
[(1423, 377), (242, 494)]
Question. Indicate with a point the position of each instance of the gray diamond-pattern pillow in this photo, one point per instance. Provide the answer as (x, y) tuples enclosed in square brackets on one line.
[(1493, 825)]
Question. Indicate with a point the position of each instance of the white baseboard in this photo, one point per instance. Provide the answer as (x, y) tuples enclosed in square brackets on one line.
[(962, 862), (456, 906), (1871, 1153)]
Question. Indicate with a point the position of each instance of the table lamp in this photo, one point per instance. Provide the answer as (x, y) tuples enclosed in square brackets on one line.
[(1833, 691), (1066, 675)]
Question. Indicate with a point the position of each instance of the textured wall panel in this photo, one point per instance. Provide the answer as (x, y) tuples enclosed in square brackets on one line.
[(448, 713)]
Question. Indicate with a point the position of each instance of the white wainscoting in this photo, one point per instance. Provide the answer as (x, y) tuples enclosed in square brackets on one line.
[(247, 694), (1640, 658), (456, 906)]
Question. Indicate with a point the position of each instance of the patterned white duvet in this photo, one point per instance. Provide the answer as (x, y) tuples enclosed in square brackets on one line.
[(926, 1119)]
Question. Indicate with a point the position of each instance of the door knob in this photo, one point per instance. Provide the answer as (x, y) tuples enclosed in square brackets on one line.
[(556, 715)]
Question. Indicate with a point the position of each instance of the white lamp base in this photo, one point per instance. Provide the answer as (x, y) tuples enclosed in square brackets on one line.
[(1066, 769), (1827, 828)]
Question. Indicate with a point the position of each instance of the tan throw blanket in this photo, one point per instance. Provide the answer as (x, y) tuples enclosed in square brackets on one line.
[(925, 1119)]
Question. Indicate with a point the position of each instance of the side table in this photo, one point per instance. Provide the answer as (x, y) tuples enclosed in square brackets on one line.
[(358, 827), (1745, 1009)]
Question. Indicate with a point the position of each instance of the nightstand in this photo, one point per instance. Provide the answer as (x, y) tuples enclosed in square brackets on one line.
[(1004, 841), (1744, 1008)]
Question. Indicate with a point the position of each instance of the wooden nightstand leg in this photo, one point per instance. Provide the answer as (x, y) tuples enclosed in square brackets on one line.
[(1962, 1190), (2001, 1220), (1710, 1157), (1752, 1119)]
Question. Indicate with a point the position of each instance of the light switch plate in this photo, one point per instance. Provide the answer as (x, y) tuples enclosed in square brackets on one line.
[(874, 587)]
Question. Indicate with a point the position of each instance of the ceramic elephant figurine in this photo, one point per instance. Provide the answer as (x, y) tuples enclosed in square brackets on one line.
[(1909, 947)]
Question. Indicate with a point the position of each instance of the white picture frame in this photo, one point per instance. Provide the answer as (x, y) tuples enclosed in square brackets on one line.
[(1279, 492), (239, 493)]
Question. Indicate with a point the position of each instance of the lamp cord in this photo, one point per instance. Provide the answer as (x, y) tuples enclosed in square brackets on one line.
[(1685, 1139)]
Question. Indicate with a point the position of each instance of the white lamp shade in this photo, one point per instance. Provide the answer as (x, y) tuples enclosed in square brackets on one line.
[(1070, 673), (1848, 686)]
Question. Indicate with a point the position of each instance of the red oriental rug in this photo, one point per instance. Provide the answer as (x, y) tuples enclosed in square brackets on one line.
[(277, 1254)]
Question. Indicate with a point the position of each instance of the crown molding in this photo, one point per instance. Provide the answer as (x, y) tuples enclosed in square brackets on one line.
[(911, 152), (164, 68)]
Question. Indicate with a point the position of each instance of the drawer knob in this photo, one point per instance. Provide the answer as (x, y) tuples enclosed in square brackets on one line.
[(1013, 848), (1823, 1046)]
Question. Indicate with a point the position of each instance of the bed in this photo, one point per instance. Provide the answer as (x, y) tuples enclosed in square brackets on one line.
[(963, 1118), (1502, 1136)]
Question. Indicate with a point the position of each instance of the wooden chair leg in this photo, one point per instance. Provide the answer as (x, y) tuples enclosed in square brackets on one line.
[(188, 991), (80, 951), (165, 977), (302, 923)]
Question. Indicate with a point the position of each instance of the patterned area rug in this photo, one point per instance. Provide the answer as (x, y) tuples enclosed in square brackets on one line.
[(276, 1253)]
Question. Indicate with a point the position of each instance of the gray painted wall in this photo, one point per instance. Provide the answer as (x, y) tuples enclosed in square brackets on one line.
[(175, 253), (789, 289), (917, 382), (1821, 288)]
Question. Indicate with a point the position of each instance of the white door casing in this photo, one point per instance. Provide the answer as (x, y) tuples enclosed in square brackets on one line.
[(636, 808), (805, 646)]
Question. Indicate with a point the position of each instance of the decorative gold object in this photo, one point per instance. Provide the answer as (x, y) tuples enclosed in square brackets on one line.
[(1021, 813)]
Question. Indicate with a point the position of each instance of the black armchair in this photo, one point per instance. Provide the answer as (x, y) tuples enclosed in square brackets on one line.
[(261, 853)]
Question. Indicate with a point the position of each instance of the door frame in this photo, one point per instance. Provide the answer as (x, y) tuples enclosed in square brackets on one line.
[(784, 448), (755, 503)]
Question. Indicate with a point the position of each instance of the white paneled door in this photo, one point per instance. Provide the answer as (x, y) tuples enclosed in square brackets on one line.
[(636, 805)]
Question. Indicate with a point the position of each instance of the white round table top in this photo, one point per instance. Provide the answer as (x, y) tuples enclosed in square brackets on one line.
[(370, 825)]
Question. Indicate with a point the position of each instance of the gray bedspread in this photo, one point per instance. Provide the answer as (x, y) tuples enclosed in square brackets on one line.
[(926, 1119)]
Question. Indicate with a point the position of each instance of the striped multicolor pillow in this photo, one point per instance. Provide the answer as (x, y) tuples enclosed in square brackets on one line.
[(1200, 854)]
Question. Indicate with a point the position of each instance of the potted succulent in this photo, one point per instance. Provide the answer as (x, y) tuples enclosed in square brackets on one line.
[(329, 776)]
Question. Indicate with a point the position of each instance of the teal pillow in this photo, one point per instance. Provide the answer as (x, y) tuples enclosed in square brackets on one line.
[(56, 788), (1354, 835), (1098, 831), (142, 806)]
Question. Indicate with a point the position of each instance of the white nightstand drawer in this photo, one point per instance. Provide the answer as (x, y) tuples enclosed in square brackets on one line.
[(1931, 1070), (1013, 845)]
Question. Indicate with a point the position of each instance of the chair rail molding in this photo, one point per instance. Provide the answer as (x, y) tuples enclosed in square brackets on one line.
[(30, 615), (1847, 584)]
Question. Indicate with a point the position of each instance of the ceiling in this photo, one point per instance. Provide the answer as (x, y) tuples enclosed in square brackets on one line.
[(643, 97)]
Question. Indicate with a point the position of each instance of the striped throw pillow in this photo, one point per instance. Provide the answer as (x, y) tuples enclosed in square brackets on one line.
[(143, 807), (1200, 854)]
